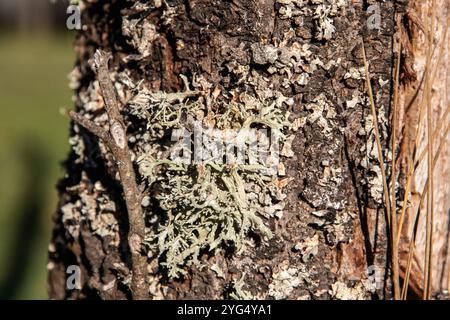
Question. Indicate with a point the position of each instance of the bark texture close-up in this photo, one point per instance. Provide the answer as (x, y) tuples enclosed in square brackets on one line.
[(356, 94)]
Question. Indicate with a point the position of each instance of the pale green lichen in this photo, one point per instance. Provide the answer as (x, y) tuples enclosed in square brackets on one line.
[(323, 16), (206, 204), (284, 282), (241, 294)]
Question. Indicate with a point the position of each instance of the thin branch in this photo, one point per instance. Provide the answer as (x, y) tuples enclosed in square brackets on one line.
[(416, 143), (395, 257), (418, 159), (411, 170), (419, 207), (89, 125), (380, 152), (430, 196), (116, 140)]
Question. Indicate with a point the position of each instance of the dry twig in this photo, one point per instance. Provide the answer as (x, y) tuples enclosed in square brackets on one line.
[(116, 140)]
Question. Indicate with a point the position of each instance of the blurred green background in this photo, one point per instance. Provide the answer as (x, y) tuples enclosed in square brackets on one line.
[(35, 58)]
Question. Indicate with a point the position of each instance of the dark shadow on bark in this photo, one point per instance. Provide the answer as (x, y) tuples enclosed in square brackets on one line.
[(362, 204)]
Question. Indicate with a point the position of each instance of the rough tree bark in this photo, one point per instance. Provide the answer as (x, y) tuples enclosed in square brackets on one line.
[(329, 236)]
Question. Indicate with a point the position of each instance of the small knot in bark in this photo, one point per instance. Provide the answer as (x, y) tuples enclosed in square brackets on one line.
[(135, 242)]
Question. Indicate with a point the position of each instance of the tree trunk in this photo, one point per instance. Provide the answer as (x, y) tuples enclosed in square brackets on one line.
[(320, 228)]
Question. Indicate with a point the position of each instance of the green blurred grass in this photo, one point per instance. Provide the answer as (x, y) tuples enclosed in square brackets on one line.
[(33, 142)]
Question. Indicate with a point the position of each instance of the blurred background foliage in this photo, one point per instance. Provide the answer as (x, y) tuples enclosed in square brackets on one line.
[(35, 59)]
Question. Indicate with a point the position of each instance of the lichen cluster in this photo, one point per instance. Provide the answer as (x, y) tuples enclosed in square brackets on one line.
[(322, 14), (209, 204), (370, 162), (95, 208)]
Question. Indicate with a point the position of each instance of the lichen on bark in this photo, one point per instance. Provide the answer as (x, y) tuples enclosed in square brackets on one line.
[(290, 65)]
